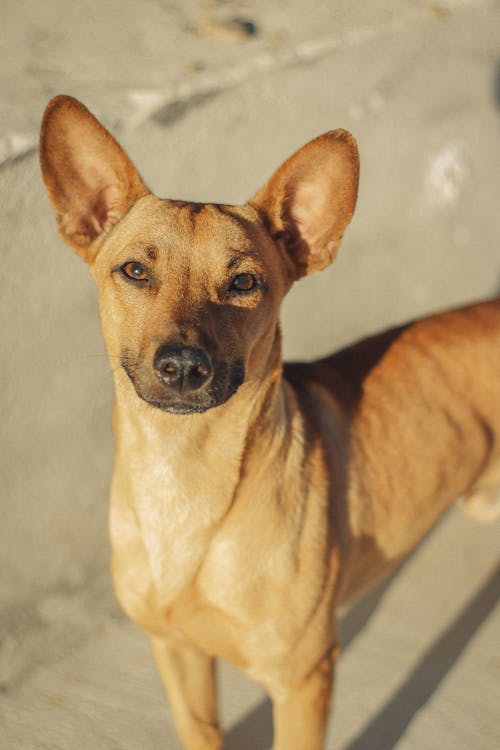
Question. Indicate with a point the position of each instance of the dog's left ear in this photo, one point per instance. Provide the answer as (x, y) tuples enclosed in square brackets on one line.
[(310, 200), (89, 178)]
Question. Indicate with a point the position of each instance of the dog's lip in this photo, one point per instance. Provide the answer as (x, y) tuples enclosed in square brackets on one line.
[(184, 407), (179, 408)]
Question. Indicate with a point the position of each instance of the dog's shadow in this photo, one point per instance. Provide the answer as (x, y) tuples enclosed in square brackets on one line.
[(383, 732)]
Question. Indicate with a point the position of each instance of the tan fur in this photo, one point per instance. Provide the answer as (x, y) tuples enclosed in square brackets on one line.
[(236, 530)]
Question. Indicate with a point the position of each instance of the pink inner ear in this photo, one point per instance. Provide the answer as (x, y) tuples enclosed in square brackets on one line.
[(105, 208), (308, 208), (92, 212), (308, 201), (97, 188)]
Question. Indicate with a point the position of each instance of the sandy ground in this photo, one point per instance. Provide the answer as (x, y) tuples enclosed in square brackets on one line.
[(209, 98)]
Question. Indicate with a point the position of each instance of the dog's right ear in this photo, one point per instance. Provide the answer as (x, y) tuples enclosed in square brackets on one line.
[(309, 201), (90, 180)]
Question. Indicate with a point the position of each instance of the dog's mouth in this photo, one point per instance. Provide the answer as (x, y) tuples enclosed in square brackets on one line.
[(224, 380)]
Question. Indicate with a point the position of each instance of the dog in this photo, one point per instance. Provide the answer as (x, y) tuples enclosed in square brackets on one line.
[(250, 499)]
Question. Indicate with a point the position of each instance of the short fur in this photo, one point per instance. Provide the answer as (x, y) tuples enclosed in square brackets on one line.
[(249, 501)]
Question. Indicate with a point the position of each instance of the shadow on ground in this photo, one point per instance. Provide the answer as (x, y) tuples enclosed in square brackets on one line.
[(384, 731)]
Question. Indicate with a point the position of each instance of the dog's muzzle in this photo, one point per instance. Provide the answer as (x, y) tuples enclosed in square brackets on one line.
[(183, 379)]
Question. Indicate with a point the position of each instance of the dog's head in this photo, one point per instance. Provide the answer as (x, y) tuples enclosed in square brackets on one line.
[(189, 292)]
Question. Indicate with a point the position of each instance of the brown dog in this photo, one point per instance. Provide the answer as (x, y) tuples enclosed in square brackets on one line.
[(248, 502)]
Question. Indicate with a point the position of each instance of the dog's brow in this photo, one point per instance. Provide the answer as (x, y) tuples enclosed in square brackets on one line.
[(239, 258), (141, 249)]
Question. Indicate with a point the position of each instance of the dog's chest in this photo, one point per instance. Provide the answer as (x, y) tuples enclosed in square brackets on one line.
[(160, 536), (171, 576), (164, 508)]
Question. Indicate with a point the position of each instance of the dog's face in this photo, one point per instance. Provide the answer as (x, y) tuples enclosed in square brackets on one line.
[(189, 298), (190, 293)]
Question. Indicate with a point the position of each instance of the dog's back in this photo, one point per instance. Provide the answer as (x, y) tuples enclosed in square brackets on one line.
[(422, 423)]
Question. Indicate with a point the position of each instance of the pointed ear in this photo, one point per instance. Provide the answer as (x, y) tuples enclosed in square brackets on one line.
[(90, 180), (310, 200)]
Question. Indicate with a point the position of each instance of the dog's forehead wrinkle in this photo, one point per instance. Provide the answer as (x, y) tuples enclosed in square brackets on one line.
[(230, 222), (211, 233)]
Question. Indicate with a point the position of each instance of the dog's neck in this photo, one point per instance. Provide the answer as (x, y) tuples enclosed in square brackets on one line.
[(165, 471), (220, 437)]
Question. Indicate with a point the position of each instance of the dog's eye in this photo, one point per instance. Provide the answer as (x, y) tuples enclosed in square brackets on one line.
[(134, 271), (244, 282)]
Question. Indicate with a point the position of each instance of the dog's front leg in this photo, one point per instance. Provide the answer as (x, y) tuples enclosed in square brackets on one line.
[(188, 676), (301, 712)]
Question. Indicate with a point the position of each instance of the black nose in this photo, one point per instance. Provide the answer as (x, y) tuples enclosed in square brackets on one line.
[(182, 368)]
